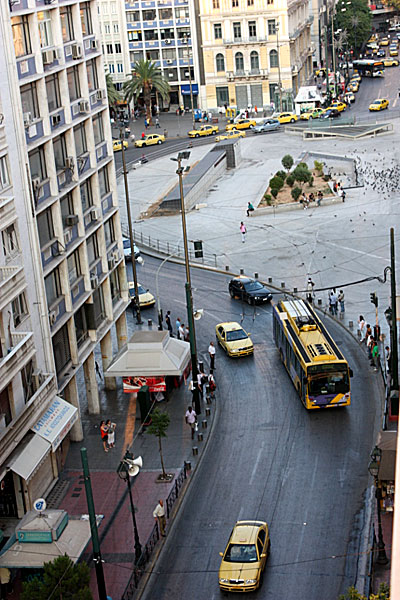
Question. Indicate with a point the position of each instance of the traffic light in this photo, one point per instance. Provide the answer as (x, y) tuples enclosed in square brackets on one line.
[(198, 249), (374, 298)]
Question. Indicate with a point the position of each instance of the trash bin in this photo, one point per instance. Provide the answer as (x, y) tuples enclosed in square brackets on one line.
[(143, 398)]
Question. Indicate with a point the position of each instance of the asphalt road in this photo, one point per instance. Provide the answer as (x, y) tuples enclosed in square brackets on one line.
[(304, 473)]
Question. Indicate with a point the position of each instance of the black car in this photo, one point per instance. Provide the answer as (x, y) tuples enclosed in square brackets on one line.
[(332, 113), (250, 290), (381, 53)]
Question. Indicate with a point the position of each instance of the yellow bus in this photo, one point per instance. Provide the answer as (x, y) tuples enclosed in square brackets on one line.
[(316, 366)]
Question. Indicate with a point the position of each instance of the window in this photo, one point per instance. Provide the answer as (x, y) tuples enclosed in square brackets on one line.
[(120, 68), (136, 36), (37, 164), (53, 287), (115, 28), (109, 232), (61, 349), (92, 75), (237, 31), (67, 206), (10, 241), (270, 1), (53, 92), (250, 2), (135, 56), (86, 195), (45, 227), (149, 14), (118, 49), (21, 38), (222, 95), (133, 17), (115, 286), (111, 68), (218, 31), (98, 130), (19, 309), (220, 63), (73, 84), (67, 26), (81, 325), (163, 13), (92, 249), (45, 35), (104, 184), (60, 152), (74, 267), (184, 53), (273, 59), (235, 3), (99, 309), (239, 62), (215, 4), (86, 19), (155, 54), (151, 34), (29, 99), (252, 30), (254, 62), (107, 28), (182, 12), (271, 27), (182, 33), (4, 177), (105, 8), (109, 48), (80, 139)]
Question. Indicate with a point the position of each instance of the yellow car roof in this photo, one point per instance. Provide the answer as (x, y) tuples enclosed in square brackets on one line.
[(245, 532), (230, 326)]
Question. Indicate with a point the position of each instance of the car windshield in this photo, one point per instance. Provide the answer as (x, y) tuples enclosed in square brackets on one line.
[(240, 553), (334, 383), (238, 334), (253, 286), (141, 289), (127, 244)]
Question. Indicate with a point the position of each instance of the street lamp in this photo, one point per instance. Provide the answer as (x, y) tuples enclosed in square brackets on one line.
[(188, 285), (186, 39), (373, 469), (127, 468), (279, 66)]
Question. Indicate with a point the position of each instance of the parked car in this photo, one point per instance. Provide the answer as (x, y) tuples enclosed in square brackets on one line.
[(117, 145), (127, 249), (268, 125), (249, 290), (331, 113)]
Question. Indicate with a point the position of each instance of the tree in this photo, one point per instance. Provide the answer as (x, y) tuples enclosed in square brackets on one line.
[(302, 174), (356, 20), (113, 95), (159, 424), (61, 579), (295, 193), (145, 77), (276, 183), (287, 162)]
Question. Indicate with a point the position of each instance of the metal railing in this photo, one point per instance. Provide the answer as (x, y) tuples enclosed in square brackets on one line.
[(173, 495)]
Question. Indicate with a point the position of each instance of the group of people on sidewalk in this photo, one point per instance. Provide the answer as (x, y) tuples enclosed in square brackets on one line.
[(335, 299), (107, 432), (370, 340)]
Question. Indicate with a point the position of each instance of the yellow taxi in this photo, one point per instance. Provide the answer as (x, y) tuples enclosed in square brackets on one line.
[(353, 86), (229, 135), (117, 145), (340, 106), (315, 113), (393, 51), (150, 140), (384, 42), (372, 39), (234, 339), (286, 117), (379, 104), (245, 557), (204, 130), (146, 298), (391, 62), (356, 78), (241, 124)]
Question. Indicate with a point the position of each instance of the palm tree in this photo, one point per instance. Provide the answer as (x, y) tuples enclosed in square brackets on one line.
[(113, 95), (144, 77)]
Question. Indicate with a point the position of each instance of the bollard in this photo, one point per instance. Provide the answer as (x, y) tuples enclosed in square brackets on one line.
[(208, 411), (269, 279), (187, 465), (294, 290), (241, 271), (319, 301), (226, 267), (200, 436), (204, 424), (282, 284), (150, 322), (195, 450), (255, 275), (351, 324)]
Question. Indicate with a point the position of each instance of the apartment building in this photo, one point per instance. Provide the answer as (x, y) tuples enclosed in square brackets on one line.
[(62, 275), (159, 30), (253, 50)]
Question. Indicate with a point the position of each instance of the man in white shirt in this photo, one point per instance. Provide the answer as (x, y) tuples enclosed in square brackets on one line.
[(191, 419), (181, 332), (211, 352), (159, 515)]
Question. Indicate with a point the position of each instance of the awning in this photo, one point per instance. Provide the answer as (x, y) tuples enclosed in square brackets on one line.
[(308, 93), (185, 89), (56, 421), (387, 441), (28, 456), (150, 353)]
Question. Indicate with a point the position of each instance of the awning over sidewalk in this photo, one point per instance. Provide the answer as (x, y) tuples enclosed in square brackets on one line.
[(387, 442), (150, 353), (28, 456), (56, 421)]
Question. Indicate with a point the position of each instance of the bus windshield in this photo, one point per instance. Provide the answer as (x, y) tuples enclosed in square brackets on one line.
[(332, 383)]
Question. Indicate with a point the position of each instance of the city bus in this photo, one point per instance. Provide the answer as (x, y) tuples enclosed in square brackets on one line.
[(318, 369), (369, 67)]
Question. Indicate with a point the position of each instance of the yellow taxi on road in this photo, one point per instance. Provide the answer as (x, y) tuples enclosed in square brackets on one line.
[(146, 298), (379, 104), (245, 557), (241, 124), (391, 62), (315, 113), (340, 106), (286, 117), (356, 77), (234, 339), (150, 140), (393, 51), (229, 135), (353, 86), (203, 131), (117, 145), (384, 42)]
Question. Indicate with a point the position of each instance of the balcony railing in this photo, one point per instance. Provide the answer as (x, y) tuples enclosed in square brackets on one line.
[(258, 73), (20, 353), (252, 39), (12, 283)]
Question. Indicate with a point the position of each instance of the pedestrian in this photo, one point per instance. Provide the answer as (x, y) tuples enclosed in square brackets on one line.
[(181, 332), (177, 325), (343, 193), (210, 117), (111, 433), (211, 352), (159, 515), (201, 380), (187, 334), (132, 138), (143, 135), (250, 208), (310, 290), (335, 187), (341, 301), (191, 419), (361, 327), (388, 359), (370, 341), (375, 355), (255, 110), (304, 201), (243, 231), (104, 435), (212, 385), (158, 123), (319, 198), (168, 322), (333, 302), (98, 371), (146, 123)]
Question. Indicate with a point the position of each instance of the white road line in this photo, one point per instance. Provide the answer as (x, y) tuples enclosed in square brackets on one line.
[(395, 102), (253, 473)]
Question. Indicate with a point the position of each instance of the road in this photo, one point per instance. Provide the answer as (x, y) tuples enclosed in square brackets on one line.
[(304, 473)]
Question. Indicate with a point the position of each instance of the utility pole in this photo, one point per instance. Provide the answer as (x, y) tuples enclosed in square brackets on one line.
[(190, 81), (333, 53), (328, 89), (394, 351)]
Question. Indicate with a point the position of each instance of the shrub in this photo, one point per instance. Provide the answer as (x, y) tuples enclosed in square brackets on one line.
[(290, 180), (268, 198), (301, 174), (296, 193), (281, 174), (276, 183), (287, 162), (319, 167), (311, 181), (274, 192), (326, 178), (303, 165)]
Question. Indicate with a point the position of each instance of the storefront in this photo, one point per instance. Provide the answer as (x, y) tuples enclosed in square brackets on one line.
[(387, 442), (185, 91)]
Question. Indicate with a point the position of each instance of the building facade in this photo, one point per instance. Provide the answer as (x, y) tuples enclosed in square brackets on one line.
[(255, 51), (63, 284)]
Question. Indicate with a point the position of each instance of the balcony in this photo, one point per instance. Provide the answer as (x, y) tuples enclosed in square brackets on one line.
[(91, 45), (247, 75), (7, 211), (12, 283), (20, 353), (20, 425)]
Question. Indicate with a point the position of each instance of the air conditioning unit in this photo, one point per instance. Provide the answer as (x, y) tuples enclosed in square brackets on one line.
[(27, 119), (167, 41), (55, 120), (48, 57), (116, 255), (169, 61), (101, 94), (67, 237), (94, 280), (111, 263), (93, 44), (70, 163), (52, 317), (77, 51), (95, 214), (70, 220), (84, 106)]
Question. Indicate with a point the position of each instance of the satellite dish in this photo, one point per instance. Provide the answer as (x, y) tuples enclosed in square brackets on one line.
[(197, 314)]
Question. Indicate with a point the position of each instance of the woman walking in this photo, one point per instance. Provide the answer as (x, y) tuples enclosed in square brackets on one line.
[(243, 231), (104, 434), (111, 433)]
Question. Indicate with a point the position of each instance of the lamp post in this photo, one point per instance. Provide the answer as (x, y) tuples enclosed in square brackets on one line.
[(373, 469), (127, 468), (136, 303), (279, 67), (190, 80), (188, 285)]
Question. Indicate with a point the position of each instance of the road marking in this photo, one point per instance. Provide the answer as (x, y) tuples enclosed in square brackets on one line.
[(395, 102), (253, 473)]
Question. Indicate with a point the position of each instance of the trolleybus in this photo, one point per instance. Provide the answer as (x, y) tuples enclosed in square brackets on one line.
[(369, 67)]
